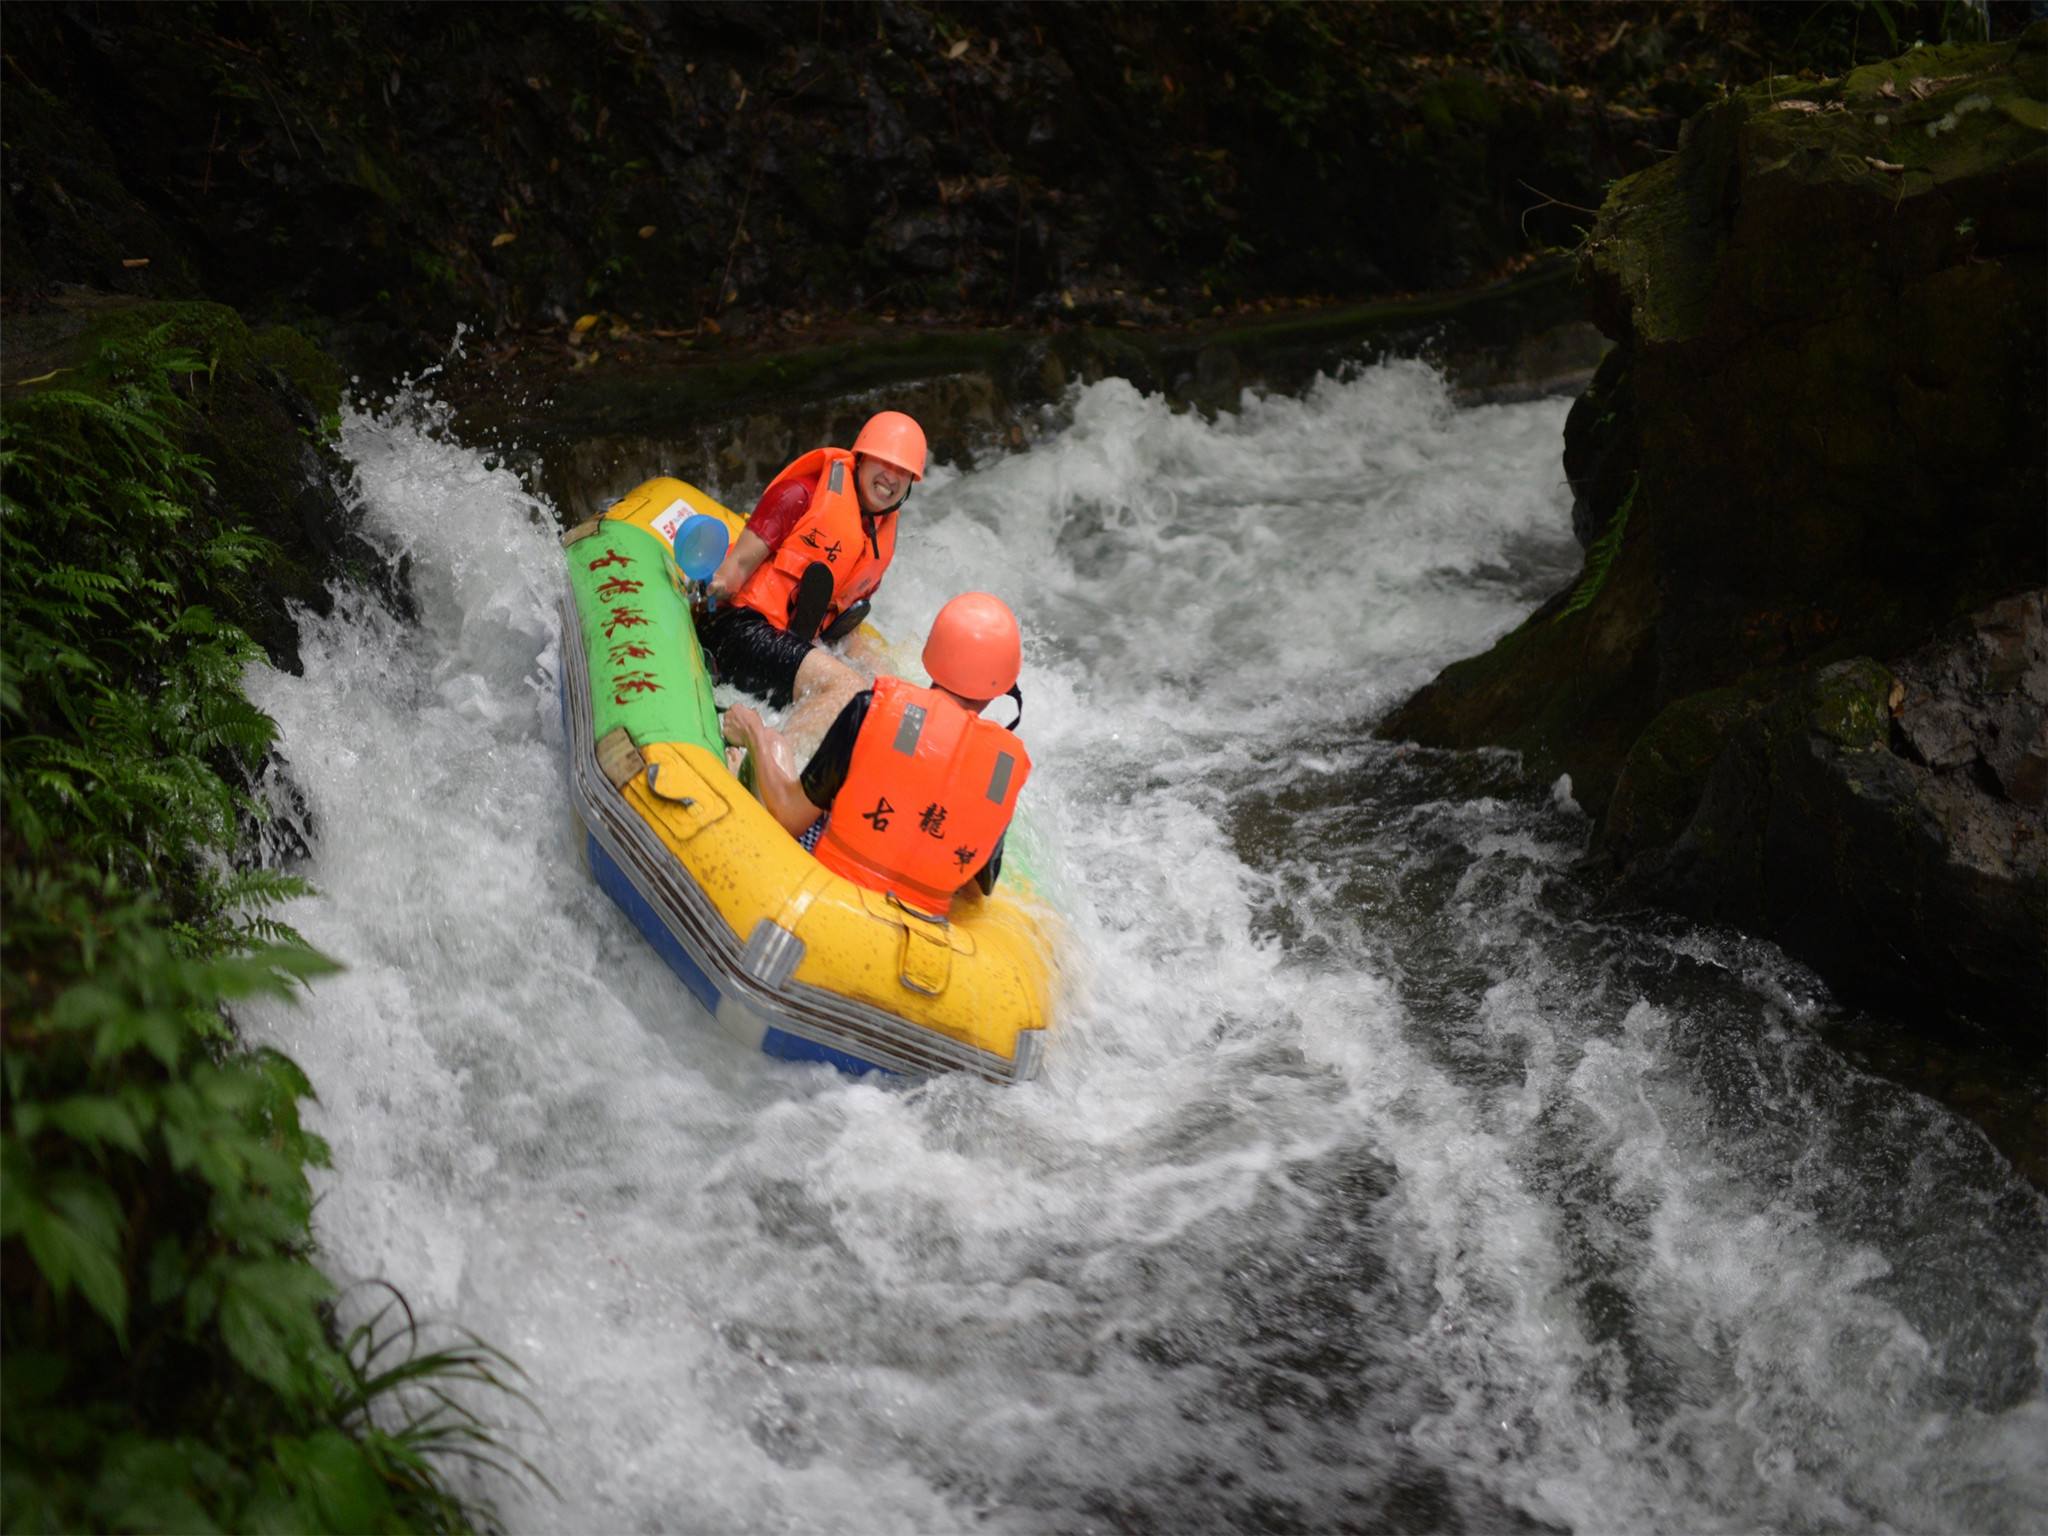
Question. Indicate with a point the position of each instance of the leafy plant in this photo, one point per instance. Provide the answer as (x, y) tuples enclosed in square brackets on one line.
[(1841, 34), (167, 1352), (1601, 556)]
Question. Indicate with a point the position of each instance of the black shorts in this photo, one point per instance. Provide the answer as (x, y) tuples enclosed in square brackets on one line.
[(752, 654)]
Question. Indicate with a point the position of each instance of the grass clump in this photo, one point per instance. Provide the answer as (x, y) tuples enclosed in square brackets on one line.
[(168, 1353)]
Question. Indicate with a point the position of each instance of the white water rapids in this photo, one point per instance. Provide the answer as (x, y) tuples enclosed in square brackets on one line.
[(1372, 1183)]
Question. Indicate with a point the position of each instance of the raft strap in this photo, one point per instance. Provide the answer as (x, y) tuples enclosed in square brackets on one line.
[(618, 758)]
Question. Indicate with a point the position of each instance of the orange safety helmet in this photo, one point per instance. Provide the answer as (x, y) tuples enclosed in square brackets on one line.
[(974, 648), (896, 439)]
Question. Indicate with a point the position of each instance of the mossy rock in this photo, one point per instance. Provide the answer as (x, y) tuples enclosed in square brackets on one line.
[(1807, 169), (1794, 806), (1846, 704), (1822, 437), (1826, 414), (1666, 770), (1602, 447)]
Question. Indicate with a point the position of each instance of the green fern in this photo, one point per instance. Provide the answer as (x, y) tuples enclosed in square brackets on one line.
[(1601, 556), (166, 1353)]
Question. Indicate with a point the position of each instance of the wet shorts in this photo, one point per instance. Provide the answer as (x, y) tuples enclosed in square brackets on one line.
[(753, 655)]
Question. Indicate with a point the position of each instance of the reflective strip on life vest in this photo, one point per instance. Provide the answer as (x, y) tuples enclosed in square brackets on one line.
[(911, 728), (999, 781)]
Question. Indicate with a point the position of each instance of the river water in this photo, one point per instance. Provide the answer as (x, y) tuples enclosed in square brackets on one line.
[(1372, 1184)]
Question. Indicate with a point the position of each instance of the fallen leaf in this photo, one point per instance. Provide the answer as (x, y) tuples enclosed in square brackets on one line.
[(1889, 91), (505, 237), (1883, 165), (1922, 87), (136, 261), (1898, 697), (1795, 106), (646, 231), (709, 324), (667, 335), (957, 49), (583, 324)]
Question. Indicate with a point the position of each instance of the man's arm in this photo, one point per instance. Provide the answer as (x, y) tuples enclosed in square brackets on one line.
[(775, 777), (774, 515), (741, 561), (796, 800)]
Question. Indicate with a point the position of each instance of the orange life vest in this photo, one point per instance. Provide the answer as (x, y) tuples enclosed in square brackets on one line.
[(830, 533), (928, 791)]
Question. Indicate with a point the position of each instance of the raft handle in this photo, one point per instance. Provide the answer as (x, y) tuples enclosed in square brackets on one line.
[(687, 802)]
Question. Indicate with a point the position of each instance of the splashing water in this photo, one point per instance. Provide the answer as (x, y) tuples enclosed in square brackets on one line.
[(1372, 1184)]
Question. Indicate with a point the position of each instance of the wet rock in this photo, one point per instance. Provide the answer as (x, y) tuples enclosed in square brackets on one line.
[(1859, 812), (1558, 360), (586, 428), (1821, 436), (1602, 447), (918, 242), (1983, 702), (387, 174)]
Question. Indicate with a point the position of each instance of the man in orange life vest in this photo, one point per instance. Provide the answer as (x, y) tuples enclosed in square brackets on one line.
[(911, 790), (807, 562)]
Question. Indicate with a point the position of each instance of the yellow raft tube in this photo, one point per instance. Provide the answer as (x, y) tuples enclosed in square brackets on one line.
[(787, 955)]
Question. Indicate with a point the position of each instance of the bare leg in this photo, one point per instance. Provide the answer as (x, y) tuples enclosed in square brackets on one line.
[(865, 651), (823, 685)]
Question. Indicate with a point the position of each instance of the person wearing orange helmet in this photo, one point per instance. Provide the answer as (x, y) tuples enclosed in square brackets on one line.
[(910, 791), (809, 560)]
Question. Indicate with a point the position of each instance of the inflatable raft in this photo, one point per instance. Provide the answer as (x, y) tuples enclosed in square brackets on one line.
[(784, 953)]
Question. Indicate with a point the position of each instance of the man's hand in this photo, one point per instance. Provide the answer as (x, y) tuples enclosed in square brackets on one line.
[(741, 561), (775, 774), (740, 725)]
